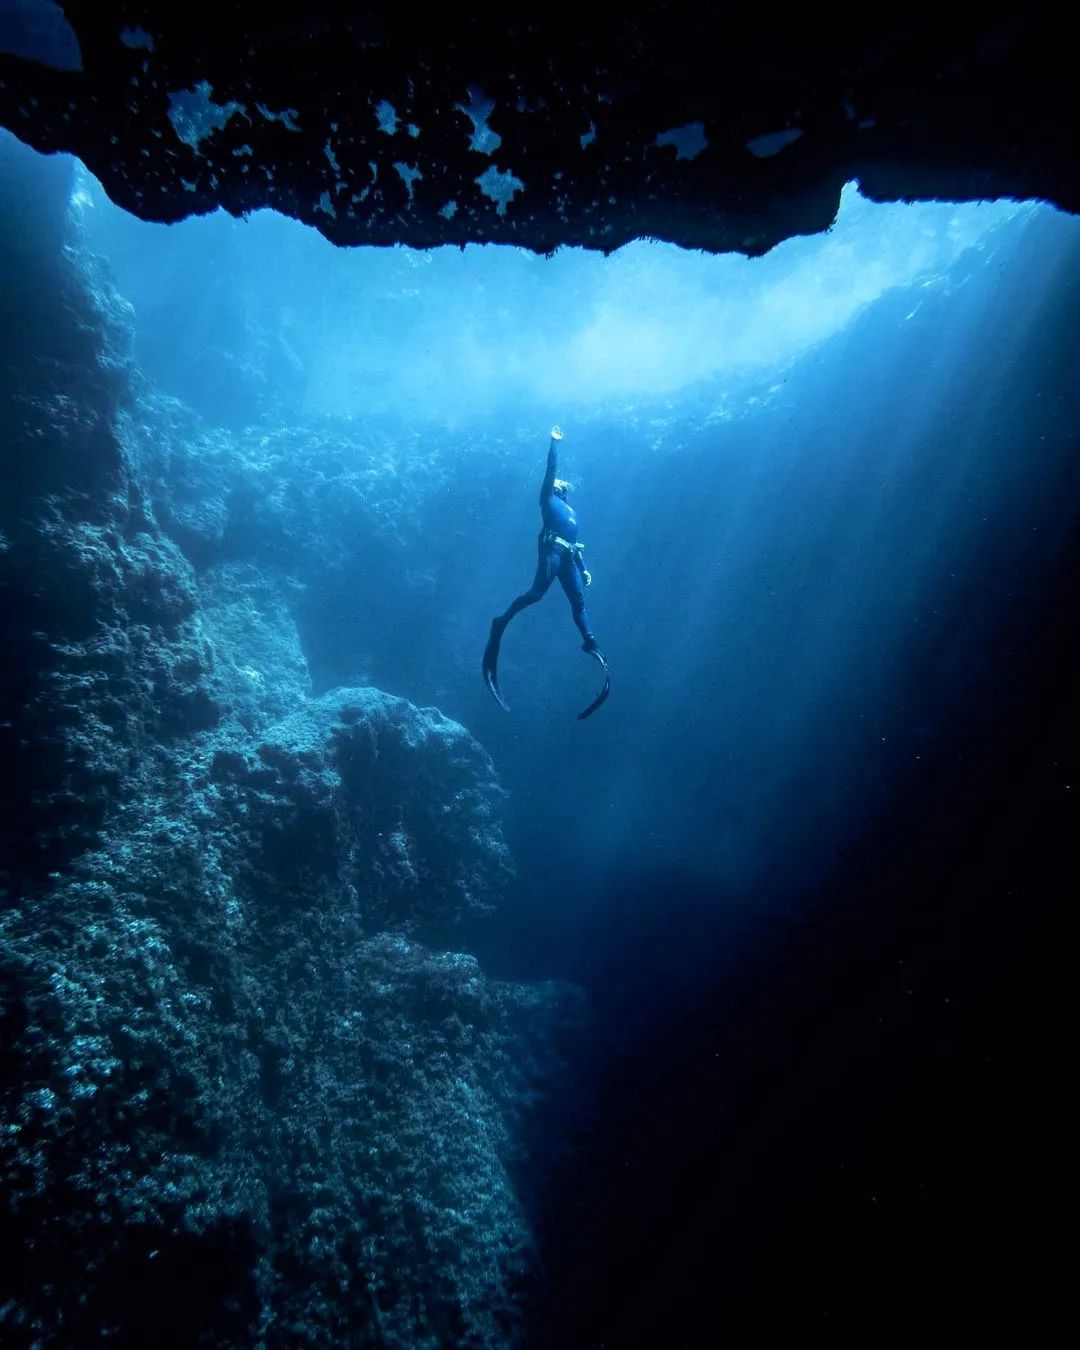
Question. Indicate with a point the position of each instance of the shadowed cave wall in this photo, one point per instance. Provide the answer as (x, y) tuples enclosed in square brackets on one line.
[(711, 126)]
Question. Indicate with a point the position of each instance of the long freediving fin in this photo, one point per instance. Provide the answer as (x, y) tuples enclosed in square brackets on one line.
[(605, 690), (490, 663)]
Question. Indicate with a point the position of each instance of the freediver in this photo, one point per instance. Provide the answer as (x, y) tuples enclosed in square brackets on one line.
[(559, 555)]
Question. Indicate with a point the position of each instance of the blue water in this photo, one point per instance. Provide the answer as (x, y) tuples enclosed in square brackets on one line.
[(814, 488), (787, 473)]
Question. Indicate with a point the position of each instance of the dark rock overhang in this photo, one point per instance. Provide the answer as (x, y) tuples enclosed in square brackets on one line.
[(706, 126)]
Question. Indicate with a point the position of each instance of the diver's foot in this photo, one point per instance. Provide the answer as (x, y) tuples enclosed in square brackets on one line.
[(590, 645)]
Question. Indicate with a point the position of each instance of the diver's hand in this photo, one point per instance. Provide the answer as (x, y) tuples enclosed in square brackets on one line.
[(556, 433), (586, 576)]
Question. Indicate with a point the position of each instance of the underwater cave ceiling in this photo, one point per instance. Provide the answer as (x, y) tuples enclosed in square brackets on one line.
[(386, 124)]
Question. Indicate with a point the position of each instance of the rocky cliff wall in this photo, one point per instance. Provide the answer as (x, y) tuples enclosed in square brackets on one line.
[(252, 1090)]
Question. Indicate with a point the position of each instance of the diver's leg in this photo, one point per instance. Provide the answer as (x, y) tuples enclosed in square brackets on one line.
[(547, 566), (574, 586)]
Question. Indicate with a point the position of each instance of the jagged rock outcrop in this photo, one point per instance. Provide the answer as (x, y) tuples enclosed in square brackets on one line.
[(103, 656), (706, 126), (252, 1091), (229, 1046)]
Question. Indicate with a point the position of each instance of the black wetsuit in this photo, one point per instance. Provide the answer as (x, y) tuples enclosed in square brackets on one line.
[(554, 559)]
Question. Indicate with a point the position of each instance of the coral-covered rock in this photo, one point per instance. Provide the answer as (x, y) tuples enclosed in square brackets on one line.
[(247, 617), (396, 805), (103, 655), (226, 1044), (249, 1096)]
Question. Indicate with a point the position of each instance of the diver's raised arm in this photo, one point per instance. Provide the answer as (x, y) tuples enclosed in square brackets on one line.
[(548, 485)]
